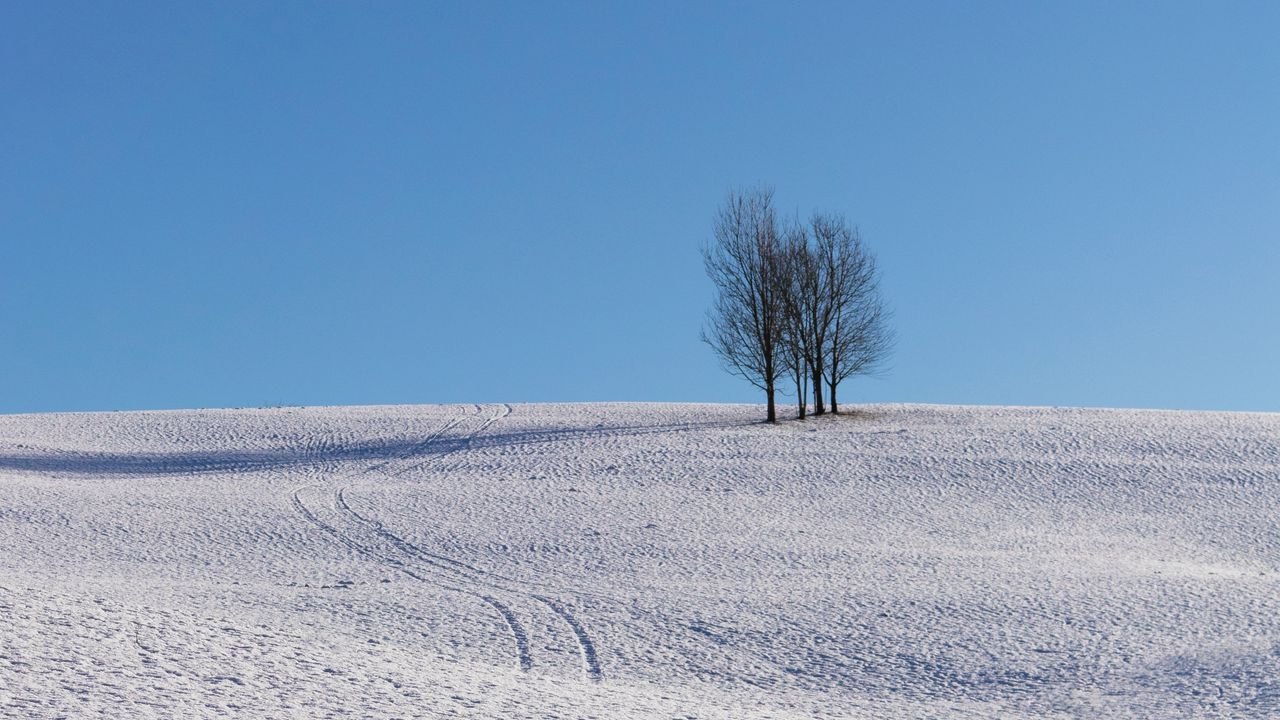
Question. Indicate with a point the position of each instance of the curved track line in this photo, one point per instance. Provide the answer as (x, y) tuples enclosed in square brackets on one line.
[(416, 447), (439, 561), (461, 570), (513, 624), (517, 630), (484, 577), (587, 649), (465, 442), (346, 540)]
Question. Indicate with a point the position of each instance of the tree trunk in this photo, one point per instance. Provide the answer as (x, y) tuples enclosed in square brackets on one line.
[(798, 376), (818, 409), (835, 366), (800, 394), (773, 411), (805, 395)]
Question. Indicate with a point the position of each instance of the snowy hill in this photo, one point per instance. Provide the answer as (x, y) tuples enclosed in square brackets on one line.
[(637, 561)]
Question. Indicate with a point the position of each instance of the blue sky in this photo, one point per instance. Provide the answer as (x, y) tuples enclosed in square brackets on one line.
[(231, 204)]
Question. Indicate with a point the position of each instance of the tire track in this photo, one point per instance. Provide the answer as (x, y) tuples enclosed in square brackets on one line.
[(440, 561), (456, 571), (519, 635), (470, 573), (464, 443), (416, 448), (517, 630), (346, 540), (586, 648), (462, 571), (465, 572)]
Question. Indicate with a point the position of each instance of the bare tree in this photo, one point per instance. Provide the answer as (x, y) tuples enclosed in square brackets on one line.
[(860, 338), (794, 278), (745, 325), (815, 303), (793, 360), (804, 301)]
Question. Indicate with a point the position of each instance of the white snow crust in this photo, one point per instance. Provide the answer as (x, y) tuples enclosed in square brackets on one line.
[(640, 561)]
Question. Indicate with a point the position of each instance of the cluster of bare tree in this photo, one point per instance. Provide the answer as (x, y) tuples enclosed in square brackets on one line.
[(793, 300)]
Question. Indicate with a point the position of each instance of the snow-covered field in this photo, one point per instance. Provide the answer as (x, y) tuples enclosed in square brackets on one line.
[(640, 561)]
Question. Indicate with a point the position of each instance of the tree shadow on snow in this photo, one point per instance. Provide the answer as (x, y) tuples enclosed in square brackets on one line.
[(263, 459)]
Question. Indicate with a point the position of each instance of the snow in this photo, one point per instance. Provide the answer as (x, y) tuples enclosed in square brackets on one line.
[(640, 560)]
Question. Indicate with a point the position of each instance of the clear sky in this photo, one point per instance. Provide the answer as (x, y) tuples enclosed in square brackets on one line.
[(247, 203)]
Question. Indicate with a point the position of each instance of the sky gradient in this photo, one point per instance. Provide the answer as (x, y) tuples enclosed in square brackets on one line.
[(244, 204)]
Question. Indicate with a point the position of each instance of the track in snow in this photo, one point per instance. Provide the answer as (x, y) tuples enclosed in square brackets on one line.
[(586, 647), (469, 573), (414, 561), (517, 630)]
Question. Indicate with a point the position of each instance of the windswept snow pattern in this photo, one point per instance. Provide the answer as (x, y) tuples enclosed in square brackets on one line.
[(639, 560)]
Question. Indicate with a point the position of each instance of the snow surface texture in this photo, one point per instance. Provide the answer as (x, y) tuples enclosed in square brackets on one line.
[(639, 561)]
